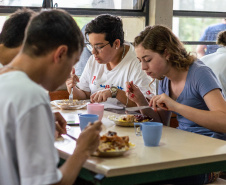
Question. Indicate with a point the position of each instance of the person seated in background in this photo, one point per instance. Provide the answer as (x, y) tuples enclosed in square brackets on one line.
[(187, 87), (79, 67), (12, 34), (52, 45), (112, 64), (210, 34), (217, 61)]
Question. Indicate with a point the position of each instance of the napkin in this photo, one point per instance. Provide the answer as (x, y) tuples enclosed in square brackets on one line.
[(113, 103)]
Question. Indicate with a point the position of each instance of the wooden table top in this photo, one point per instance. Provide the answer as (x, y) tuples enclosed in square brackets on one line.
[(177, 149)]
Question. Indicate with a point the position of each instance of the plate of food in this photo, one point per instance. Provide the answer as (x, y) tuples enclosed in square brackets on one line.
[(128, 120), (65, 104), (112, 145)]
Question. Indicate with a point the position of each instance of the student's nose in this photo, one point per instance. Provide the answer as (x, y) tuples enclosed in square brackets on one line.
[(144, 66), (94, 51)]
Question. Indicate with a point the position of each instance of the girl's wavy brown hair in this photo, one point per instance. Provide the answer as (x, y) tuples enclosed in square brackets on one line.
[(159, 38)]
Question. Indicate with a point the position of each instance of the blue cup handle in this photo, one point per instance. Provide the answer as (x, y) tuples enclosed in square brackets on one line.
[(138, 129)]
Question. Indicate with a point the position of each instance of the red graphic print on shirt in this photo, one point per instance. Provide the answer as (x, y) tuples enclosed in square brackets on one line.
[(94, 77), (107, 86), (148, 92)]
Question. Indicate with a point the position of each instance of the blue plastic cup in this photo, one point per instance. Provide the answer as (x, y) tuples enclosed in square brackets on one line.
[(151, 132), (86, 118)]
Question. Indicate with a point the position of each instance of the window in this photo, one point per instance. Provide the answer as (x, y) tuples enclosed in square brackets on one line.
[(134, 14), (21, 3), (192, 18), (103, 4), (200, 5)]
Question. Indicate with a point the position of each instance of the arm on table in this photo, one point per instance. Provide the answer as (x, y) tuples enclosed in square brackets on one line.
[(85, 146), (102, 96)]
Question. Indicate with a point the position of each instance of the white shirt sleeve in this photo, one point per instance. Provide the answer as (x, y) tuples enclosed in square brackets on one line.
[(84, 80), (37, 157)]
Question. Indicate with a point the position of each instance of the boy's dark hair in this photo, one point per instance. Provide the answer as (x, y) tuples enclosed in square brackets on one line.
[(50, 29), (12, 34), (110, 25)]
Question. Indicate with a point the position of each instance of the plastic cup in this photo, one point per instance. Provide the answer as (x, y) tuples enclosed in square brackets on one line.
[(86, 118), (151, 132), (96, 108)]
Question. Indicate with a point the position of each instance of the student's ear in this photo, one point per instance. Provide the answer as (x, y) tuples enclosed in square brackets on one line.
[(166, 54), (60, 53), (116, 44)]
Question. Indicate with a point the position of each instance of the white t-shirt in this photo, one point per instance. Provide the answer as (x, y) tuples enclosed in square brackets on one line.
[(96, 77), (1, 65), (217, 62), (27, 152)]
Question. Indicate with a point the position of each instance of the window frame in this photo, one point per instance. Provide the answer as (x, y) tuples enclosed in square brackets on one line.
[(203, 14), (143, 12)]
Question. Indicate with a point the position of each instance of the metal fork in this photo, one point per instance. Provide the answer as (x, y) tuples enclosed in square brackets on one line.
[(124, 108), (71, 96)]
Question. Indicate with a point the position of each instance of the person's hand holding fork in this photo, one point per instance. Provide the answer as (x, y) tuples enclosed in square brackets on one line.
[(133, 93), (71, 82)]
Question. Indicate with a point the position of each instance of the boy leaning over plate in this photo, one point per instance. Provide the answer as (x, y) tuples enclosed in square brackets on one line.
[(112, 64), (52, 45)]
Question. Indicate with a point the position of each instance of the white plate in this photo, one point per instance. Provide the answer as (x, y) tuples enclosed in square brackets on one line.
[(64, 104), (117, 120), (113, 153), (120, 123)]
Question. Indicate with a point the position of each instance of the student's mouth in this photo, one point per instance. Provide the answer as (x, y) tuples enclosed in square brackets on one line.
[(149, 73)]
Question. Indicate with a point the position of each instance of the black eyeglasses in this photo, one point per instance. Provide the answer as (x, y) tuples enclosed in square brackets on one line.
[(96, 47)]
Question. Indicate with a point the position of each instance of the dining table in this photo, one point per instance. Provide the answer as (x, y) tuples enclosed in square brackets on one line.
[(179, 154)]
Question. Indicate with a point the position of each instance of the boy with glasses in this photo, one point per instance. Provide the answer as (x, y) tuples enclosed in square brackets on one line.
[(112, 64)]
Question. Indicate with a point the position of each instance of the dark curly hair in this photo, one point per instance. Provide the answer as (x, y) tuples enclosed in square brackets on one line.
[(159, 38), (110, 25), (221, 38)]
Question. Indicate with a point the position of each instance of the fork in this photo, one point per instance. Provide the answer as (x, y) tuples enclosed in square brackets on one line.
[(72, 137), (71, 96), (124, 108)]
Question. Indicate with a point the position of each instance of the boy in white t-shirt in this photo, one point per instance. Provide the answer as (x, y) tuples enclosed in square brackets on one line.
[(52, 45), (112, 64), (11, 39)]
